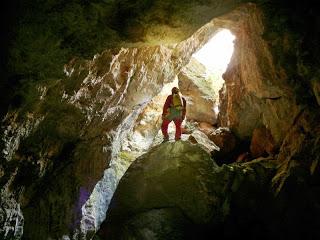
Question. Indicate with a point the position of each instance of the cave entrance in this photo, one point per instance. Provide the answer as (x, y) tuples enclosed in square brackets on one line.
[(201, 79), (215, 55)]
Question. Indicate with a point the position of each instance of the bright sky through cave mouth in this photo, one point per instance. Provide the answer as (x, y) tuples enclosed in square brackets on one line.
[(216, 53)]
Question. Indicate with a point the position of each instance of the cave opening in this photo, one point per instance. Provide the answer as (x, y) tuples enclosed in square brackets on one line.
[(204, 70), (215, 56)]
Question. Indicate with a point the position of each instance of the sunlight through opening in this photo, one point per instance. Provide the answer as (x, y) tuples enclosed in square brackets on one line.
[(216, 53)]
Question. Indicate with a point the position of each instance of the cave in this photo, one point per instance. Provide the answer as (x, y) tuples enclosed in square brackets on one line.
[(84, 85)]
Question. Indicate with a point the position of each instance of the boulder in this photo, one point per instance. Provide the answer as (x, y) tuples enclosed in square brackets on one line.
[(198, 137), (206, 127), (243, 157), (177, 190), (224, 139), (170, 176), (262, 143), (198, 93)]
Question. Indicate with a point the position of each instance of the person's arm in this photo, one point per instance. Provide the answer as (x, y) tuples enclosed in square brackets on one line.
[(184, 109), (166, 106)]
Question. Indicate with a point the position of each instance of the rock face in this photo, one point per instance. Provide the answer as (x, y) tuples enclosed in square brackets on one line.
[(11, 216), (206, 128), (229, 146), (199, 94), (262, 143), (58, 148), (182, 194), (224, 139), (246, 104), (300, 150)]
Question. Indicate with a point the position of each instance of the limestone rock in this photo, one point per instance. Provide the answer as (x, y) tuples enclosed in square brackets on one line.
[(256, 90), (165, 176), (203, 141), (206, 127), (315, 83), (75, 127), (74, 130), (228, 146), (224, 139), (262, 143), (199, 95), (11, 217), (176, 189), (243, 157), (300, 149)]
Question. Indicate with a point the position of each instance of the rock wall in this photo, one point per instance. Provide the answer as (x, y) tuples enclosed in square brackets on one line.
[(201, 97), (256, 91), (80, 124), (263, 88)]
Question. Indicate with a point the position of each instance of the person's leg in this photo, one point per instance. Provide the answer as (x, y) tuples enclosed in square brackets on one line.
[(178, 123), (164, 129)]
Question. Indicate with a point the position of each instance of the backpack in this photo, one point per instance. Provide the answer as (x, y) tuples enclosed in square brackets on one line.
[(177, 101)]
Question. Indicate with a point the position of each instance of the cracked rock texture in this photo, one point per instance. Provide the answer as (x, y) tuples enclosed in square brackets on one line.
[(80, 93)]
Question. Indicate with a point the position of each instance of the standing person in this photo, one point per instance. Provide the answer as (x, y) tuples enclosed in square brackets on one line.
[(174, 110)]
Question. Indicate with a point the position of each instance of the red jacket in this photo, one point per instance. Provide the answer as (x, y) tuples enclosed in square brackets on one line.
[(168, 104)]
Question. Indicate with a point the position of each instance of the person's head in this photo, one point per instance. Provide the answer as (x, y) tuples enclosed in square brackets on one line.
[(175, 90)]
